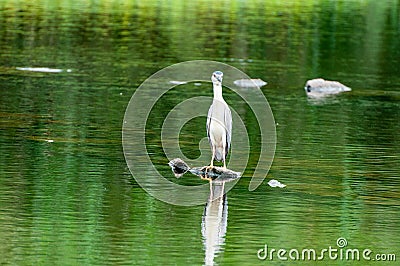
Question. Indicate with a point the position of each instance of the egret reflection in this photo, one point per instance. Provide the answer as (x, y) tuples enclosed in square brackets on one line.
[(214, 222)]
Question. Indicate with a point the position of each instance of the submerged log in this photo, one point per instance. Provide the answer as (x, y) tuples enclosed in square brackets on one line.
[(320, 87), (179, 168)]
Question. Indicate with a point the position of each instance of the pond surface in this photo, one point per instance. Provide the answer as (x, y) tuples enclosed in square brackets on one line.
[(67, 196)]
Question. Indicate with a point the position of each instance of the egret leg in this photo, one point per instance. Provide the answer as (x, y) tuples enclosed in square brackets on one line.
[(212, 161), (212, 157), (224, 157)]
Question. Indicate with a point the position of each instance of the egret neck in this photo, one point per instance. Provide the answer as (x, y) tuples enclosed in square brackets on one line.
[(217, 88)]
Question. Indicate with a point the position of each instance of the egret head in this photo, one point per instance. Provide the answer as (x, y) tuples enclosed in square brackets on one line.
[(217, 77)]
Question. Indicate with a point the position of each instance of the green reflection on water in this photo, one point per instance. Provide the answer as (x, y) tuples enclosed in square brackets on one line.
[(66, 196)]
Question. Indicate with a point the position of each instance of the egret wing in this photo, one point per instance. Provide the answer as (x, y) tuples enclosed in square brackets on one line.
[(209, 115), (228, 127)]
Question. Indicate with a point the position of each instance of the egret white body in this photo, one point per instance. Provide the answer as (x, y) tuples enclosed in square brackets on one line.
[(219, 122)]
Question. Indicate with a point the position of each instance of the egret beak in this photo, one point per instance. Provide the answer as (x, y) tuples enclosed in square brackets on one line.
[(219, 78)]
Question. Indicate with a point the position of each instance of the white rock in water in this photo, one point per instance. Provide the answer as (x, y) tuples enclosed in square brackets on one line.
[(250, 83), (275, 183), (40, 69), (321, 87)]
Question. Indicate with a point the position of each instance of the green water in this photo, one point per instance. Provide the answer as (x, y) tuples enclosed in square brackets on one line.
[(66, 194)]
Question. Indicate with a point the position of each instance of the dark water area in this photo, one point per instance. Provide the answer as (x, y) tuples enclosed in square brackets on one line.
[(67, 196)]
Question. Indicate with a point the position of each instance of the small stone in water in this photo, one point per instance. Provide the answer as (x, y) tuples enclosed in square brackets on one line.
[(177, 82), (275, 183), (179, 167), (250, 83), (40, 69)]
